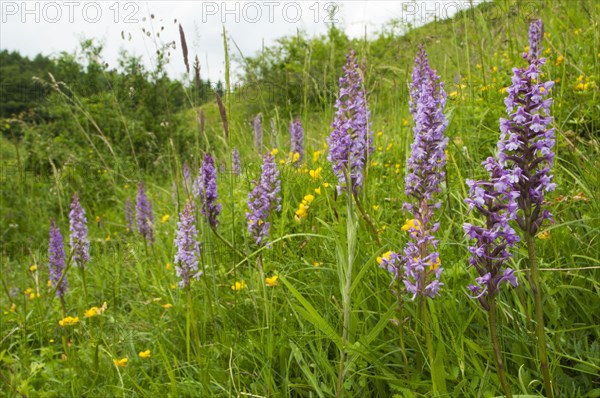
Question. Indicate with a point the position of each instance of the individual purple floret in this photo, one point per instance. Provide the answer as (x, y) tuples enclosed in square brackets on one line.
[(80, 245), (424, 179), (144, 216), (206, 188), (56, 260), (495, 201), (236, 164), (392, 262), (258, 133), (297, 141), (526, 139), (129, 214), (188, 249), (351, 140), (263, 199)]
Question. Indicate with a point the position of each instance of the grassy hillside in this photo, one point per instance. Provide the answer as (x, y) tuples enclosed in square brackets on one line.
[(333, 322)]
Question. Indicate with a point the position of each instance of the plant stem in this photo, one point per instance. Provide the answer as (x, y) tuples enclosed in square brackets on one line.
[(493, 325), (188, 322), (428, 341), (534, 282)]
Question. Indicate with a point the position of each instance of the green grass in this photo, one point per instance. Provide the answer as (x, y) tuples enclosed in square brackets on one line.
[(286, 340)]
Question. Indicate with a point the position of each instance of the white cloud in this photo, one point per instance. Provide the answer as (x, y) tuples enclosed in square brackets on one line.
[(52, 27)]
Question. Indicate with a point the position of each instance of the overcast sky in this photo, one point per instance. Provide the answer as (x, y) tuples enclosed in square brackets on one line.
[(50, 27)]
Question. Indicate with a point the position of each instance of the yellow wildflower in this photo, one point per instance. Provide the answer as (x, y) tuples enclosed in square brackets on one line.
[(309, 198), (543, 235), (107, 238), (97, 219), (389, 146), (168, 266), (144, 354), (68, 321), (315, 173), (49, 283), (325, 184), (281, 161), (379, 133), (274, 151), (376, 207), (453, 94), (13, 307), (404, 122), (28, 291), (434, 265), (316, 263), (165, 218), (315, 156), (414, 224), (385, 255), (295, 157), (91, 312), (318, 190), (272, 281), (33, 296), (559, 60), (121, 363), (237, 286), (167, 305), (33, 268)]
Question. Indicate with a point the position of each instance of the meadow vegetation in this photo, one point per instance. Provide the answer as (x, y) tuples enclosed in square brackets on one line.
[(310, 310)]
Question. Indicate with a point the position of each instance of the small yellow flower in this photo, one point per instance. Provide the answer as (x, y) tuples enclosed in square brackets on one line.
[(13, 307), (28, 291), (316, 263), (168, 266), (237, 286), (51, 340), (33, 268), (325, 185), (376, 207), (315, 174), (295, 157), (121, 363), (542, 89), (389, 146), (92, 312), (126, 186), (478, 66), (97, 219), (165, 218), (272, 281), (281, 161), (167, 305), (526, 49), (453, 94), (404, 122), (274, 151), (107, 238), (544, 235), (559, 60), (385, 255), (315, 156), (435, 265), (379, 133), (144, 354), (68, 321), (318, 190), (414, 224), (494, 69), (309, 198), (503, 90), (49, 283), (33, 296)]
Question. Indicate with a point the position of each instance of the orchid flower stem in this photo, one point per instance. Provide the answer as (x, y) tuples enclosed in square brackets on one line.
[(493, 325)]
